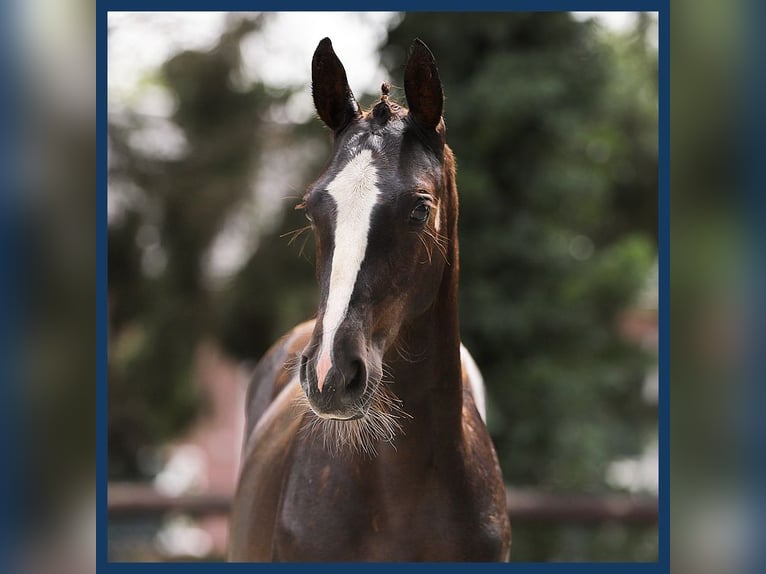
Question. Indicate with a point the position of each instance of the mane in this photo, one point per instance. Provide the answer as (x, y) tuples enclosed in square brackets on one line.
[(450, 168), (450, 189)]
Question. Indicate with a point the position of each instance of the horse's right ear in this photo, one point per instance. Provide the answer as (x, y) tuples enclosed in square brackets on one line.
[(333, 99)]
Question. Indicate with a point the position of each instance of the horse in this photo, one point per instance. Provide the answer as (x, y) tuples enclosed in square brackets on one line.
[(363, 438)]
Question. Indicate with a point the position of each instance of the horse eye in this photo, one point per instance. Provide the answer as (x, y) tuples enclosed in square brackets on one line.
[(420, 213)]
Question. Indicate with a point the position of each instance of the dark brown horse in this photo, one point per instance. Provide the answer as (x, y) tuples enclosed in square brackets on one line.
[(363, 437)]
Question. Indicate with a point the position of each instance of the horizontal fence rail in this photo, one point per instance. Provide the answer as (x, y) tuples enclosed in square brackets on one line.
[(529, 505), (127, 499)]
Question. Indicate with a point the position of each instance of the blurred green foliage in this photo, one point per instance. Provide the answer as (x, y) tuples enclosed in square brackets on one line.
[(712, 292), (554, 125), (160, 306)]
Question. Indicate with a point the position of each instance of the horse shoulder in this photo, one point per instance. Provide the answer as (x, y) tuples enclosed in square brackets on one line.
[(266, 460), (272, 422), (274, 372), (486, 489)]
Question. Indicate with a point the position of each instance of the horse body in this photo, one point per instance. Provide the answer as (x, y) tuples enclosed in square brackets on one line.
[(296, 503), (374, 449)]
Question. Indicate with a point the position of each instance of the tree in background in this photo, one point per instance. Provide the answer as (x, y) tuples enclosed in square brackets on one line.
[(173, 205), (554, 126)]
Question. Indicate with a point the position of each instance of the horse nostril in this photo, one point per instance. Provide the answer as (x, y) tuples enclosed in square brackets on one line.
[(304, 368), (356, 379)]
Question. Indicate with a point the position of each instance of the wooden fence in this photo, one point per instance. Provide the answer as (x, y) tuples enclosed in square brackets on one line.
[(127, 499)]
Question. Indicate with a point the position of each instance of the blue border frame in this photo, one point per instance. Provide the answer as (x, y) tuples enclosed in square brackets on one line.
[(390, 6), (102, 302), (659, 6), (664, 284), (754, 436), (12, 278)]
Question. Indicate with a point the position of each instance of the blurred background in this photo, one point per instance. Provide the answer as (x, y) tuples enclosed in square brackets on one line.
[(212, 139), (51, 200)]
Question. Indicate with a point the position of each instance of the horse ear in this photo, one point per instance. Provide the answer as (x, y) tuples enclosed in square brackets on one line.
[(422, 87), (333, 99)]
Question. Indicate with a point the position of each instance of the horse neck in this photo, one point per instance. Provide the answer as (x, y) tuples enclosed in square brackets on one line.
[(427, 371)]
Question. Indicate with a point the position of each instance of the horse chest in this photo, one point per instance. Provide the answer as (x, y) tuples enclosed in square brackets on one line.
[(341, 513)]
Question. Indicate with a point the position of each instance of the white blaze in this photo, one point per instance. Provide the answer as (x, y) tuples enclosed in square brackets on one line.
[(355, 192)]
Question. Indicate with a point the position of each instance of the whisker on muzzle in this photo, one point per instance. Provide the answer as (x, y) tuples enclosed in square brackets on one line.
[(380, 425)]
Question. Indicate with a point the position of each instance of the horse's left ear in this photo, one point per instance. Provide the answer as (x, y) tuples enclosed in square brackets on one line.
[(333, 99), (423, 87)]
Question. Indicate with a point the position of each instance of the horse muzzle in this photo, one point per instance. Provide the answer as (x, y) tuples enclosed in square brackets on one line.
[(340, 389)]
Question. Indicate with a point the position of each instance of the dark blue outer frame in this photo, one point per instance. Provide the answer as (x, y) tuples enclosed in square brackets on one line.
[(753, 435), (660, 6), (13, 525)]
